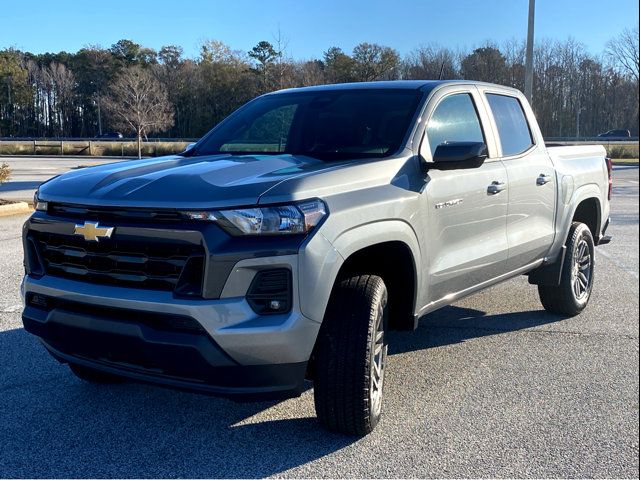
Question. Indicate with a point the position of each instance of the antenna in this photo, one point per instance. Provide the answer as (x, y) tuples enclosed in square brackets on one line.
[(441, 70)]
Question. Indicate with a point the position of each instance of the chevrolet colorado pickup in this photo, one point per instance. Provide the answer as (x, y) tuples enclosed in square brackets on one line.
[(291, 238)]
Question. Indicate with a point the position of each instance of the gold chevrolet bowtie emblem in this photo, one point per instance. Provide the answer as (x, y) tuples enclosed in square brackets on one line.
[(91, 231)]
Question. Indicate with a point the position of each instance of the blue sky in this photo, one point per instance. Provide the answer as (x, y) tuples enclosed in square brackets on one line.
[(310, 26)]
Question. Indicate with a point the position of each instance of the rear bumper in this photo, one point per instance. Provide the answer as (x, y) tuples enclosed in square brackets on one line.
[(219, 346)]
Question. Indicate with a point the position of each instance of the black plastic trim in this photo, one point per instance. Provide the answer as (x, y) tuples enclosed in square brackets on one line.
[(264, 382), (549, 274), (183, 360), (604, 238)]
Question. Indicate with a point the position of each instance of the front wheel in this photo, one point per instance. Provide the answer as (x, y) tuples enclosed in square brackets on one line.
[(576, 279), (350, 356)]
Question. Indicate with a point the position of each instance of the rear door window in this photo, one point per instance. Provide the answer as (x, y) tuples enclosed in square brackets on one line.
[(454, 120), (513, 128)]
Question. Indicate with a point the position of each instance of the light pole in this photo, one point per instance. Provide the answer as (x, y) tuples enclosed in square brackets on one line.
[(528, 69), (9, 105), (580, 110)]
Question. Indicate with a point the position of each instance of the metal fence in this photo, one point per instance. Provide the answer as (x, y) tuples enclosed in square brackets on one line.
[(587, 140), (91, 146), (164, 146), (95, 139)]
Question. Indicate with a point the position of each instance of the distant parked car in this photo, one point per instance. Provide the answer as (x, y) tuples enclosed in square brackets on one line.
[(110, 135), (616, 135)]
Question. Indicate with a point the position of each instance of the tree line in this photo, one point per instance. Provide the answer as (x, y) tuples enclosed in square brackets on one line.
[(106, 89)]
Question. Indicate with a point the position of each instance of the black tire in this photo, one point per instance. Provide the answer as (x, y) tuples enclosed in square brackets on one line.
[(570, 298), (350, 356), (93, 376)]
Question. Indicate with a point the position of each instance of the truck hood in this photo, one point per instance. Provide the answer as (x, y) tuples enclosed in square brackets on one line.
[(179, 182)]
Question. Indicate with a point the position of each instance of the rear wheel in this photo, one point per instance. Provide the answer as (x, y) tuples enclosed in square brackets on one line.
[(351, 355), (576, 279), (93, 376)]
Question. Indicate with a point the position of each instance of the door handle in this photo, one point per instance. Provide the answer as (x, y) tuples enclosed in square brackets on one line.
[(496, 187), (543, 179)]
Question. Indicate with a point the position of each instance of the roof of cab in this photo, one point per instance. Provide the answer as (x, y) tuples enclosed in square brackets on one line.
[(425, 85)]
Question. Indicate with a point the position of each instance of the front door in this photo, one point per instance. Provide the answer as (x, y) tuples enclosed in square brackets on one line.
[(467, 239)]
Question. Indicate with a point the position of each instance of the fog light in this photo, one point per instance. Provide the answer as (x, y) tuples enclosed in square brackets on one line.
[(275, 304), (270, 292), (38, 300)]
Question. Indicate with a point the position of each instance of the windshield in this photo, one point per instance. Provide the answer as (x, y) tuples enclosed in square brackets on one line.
[(329, 125)]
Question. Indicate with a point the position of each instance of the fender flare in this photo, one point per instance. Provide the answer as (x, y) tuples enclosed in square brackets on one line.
[(585, 192), (567, 210), (315, 285)]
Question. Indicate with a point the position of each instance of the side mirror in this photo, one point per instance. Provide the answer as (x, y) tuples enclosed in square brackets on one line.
[(459, 155)]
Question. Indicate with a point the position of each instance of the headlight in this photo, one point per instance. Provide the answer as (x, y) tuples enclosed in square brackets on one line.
[(295, 218), (39, 205)]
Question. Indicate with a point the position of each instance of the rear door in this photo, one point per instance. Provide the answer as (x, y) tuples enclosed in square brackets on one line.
[(530, 175), (466, 219)]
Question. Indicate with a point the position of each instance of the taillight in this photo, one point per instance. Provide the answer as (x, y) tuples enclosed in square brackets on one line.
[(610, 173)]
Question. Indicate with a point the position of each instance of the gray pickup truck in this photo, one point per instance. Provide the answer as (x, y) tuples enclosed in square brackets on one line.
[(290, 239)]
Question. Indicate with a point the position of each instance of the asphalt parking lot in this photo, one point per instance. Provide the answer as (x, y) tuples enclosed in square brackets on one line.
[(490, 387)]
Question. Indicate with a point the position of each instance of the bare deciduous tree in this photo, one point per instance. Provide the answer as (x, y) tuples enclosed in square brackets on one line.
[(139, 103), (430, 63), (623, 50), (61, 82)]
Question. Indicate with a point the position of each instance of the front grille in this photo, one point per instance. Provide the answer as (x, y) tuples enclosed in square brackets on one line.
[(155, 320), (114, 213), (138, 264)]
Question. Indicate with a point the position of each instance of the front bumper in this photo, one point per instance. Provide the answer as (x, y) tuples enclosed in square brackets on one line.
[(215, 346)]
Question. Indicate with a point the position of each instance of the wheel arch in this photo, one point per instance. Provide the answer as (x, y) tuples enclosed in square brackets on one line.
[(323, 261), (588, 211), (394, 263), (389, 249), (566, 213)]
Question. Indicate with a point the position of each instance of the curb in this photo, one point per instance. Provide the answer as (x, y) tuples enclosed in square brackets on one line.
[(15, 209)]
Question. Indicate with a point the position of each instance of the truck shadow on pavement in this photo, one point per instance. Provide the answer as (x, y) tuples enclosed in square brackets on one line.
[(453, 324), (54, 425)]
